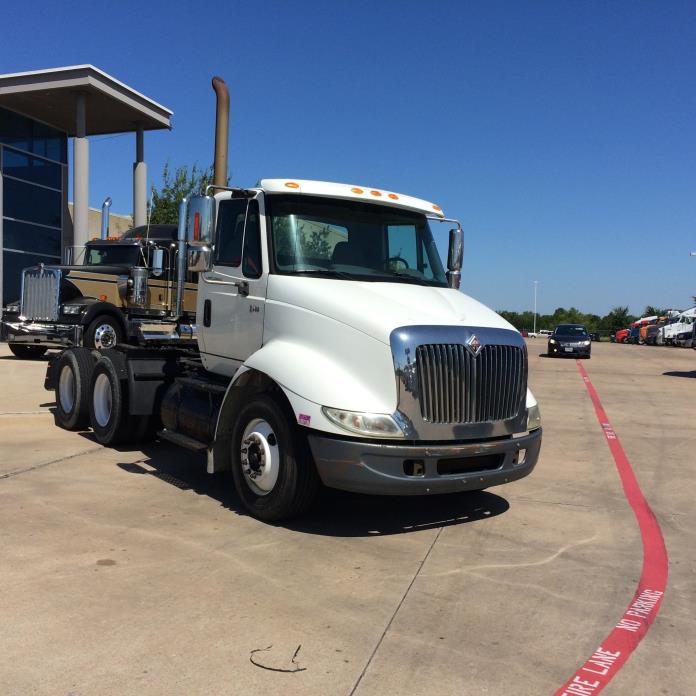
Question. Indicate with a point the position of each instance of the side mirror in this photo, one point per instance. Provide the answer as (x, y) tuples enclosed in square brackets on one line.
[(199, 258), (157, 262), (455, 256), (200, 223)]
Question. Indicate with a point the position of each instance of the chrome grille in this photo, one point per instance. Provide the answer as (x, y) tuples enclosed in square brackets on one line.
[(40, 294), (457, 387)]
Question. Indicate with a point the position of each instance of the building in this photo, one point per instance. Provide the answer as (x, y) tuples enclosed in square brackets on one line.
[(118, 223), (39, 112)]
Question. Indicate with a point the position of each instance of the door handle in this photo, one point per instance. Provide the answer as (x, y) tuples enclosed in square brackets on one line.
[(207, 312), (242, 288)]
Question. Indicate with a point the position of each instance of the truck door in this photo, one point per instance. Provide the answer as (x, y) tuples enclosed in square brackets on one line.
[(232, 295)]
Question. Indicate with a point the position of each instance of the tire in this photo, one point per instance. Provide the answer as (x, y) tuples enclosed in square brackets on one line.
[(27, 352), (108, 407), (73, 374), (272, 468), (104, 332)]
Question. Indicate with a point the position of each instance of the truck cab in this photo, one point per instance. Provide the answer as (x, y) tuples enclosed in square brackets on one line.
[(681, 331), (332, 347), (122, 284)]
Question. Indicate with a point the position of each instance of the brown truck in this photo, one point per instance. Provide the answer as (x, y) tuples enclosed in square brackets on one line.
[(126, 287)]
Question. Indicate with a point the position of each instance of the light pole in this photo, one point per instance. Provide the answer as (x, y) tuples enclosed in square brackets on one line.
[(536, 282)]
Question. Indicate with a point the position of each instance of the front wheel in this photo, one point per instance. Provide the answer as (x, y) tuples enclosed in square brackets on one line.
[(273, 471), (27, 352), (103, 333)]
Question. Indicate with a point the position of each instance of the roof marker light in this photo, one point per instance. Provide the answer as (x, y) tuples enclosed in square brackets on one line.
[(376, 193), (356, 189), (393, 196), (292, 184), (438, 208)]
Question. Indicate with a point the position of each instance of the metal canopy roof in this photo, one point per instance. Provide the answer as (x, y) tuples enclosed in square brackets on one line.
[(111, 106)]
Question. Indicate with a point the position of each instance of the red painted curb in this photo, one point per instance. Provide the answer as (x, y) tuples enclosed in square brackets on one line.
[(599, 669)]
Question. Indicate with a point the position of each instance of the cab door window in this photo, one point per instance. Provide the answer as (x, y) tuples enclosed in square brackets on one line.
[(251, 253), (229, 233)]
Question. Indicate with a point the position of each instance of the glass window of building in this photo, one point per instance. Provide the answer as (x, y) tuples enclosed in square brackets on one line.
[(33, 158)]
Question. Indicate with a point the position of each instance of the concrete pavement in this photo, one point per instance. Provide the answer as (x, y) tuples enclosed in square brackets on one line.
[(133, 572)]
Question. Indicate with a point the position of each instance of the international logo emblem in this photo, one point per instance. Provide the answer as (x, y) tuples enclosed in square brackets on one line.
[(474, 345)]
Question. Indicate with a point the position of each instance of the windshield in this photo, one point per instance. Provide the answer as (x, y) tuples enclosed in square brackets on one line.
[(571, 330), (112, 255), (358, 241)]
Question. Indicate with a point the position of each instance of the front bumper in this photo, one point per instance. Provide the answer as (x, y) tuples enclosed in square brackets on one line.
[(381, 469), (35, 333), (570, 351)]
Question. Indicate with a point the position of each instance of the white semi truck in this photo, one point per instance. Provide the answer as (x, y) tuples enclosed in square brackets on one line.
[(331, 347), (681, 329)]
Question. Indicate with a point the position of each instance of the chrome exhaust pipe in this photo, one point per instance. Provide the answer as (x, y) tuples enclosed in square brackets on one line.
[(222, 127), (181, 264), (105, 218)]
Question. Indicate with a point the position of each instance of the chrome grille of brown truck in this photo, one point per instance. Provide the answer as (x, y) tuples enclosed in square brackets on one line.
[(456, 386), (40, 294)]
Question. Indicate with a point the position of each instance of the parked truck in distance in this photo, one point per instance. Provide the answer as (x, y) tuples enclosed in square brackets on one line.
[(333, 348), (124, 287)]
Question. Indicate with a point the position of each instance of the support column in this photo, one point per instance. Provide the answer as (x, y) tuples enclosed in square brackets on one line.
[(139, 180), (80, 180)]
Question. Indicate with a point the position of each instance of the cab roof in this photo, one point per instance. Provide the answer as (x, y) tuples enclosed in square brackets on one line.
[(350, 192)]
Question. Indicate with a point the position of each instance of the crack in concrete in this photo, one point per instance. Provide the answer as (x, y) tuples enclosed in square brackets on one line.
[(44, 464), (396, 611)]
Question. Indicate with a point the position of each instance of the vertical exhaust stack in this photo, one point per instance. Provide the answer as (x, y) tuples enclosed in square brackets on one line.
[(222, 128), (105, 217), (181, 257)]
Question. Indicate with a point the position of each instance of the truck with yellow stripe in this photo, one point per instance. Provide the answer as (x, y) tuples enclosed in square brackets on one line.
[(125, 289)]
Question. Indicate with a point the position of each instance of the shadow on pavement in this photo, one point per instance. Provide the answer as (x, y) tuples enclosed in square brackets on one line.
[(336, 513), (40, 358), (676, 373)]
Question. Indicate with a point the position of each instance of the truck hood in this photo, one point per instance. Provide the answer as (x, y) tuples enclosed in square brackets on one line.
[(376, 309)]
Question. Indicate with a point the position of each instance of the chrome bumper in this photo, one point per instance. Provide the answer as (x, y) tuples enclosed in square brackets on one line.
[(34, 333), (389, 469)]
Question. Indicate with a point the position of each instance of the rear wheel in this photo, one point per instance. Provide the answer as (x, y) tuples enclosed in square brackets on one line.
[(108, 407), (74, 371), (27, 352), (272, 467), (103, 333)]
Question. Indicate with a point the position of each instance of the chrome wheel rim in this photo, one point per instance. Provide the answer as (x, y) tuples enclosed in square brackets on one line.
[(66, 389), (260, 457), (102, 400), (105, 336)]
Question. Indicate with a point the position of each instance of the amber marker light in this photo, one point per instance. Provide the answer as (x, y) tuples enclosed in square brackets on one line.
[(102, 298), (355, 189), (292, 184), (376, 193), (393, 196)]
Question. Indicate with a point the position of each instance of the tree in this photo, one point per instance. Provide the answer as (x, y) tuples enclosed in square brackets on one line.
[(165, 201), (651, 311)]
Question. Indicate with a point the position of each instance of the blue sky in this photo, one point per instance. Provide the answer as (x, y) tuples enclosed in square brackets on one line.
[(562, 134)]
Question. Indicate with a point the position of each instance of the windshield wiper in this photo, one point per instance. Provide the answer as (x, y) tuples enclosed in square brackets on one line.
[(329, 272), (405, 276)]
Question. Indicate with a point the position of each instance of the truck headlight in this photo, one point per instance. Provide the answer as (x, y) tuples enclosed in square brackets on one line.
[(12, 308), (72, 308), (552, 340), (586, 343), (533, 418), (369, 424)]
